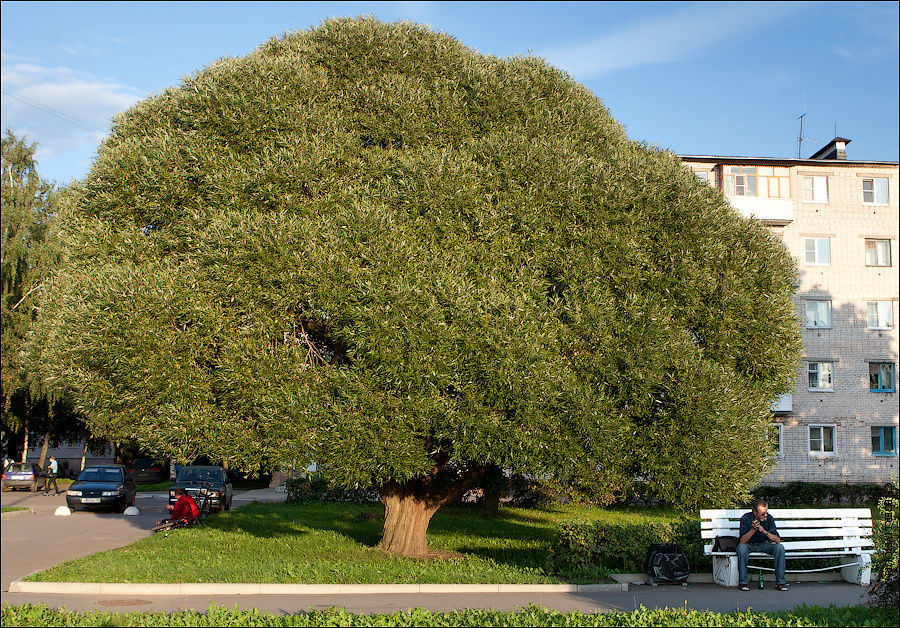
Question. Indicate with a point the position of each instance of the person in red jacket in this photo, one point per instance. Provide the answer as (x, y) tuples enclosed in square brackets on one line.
[(185, 507)]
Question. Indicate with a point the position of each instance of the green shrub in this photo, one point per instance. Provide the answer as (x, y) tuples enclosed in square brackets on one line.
[(819, 494), (41, 615), (615, 547), (318, 488), (885, 590)]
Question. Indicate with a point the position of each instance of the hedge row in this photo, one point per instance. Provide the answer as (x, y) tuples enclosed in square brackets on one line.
[(41, 615), (818, 494)]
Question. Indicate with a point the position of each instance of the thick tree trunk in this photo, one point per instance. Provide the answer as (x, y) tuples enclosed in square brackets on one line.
[(406, 520), (408, 508), (43, 457), (84, 454)]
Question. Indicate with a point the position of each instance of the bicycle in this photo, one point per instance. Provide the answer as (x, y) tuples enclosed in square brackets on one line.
[(203, 507)]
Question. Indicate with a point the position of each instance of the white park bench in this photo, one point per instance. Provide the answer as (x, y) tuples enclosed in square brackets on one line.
[(843, 534)]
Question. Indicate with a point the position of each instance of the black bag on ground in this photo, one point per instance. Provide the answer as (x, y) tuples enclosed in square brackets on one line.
[(667, 563), (726, 544)]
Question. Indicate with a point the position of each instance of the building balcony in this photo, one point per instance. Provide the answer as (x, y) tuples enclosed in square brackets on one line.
[(776, 211), (784, 403)]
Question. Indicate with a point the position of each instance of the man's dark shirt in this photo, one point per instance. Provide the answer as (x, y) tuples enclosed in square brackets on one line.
[(768, 525)]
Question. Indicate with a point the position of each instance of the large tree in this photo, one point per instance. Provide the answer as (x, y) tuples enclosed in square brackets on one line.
[(30, 251), (368, 246)]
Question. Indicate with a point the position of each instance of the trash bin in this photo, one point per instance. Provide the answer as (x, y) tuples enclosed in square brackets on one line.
[(667, 563)]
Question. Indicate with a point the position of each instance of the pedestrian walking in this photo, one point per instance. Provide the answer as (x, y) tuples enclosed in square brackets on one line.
[(52, 471)]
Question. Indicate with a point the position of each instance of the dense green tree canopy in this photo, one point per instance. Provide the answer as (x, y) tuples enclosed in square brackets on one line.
[(369, 246)]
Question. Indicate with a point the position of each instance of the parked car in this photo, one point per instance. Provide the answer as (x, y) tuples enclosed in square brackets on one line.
[(22, 475), (192, 479), (146, 471), (102, 486)]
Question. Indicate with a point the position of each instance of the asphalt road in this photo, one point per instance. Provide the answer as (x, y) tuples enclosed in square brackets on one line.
[(34, 542)]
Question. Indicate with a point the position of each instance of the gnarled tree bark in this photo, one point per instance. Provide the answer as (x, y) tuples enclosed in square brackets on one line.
[(409, 506)]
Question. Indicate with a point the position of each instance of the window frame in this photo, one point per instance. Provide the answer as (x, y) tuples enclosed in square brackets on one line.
[(829, 324), (812, 189), (893, 382), (816, 250), (874, 191), (779, 428), (874, 248), (821, 452), (879, 324), (818, 363), (882, 452)]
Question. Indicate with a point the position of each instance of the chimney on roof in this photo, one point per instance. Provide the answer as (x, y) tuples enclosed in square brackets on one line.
[(835, 149)]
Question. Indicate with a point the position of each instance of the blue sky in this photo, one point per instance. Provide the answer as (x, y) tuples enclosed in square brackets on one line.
[(714, 78)]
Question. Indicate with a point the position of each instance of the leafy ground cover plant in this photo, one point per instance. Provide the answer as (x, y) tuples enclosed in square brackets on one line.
[(40, 615), (11, 508)]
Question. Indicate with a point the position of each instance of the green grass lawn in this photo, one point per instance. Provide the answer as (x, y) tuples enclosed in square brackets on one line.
[(319, 542), (11, 508)]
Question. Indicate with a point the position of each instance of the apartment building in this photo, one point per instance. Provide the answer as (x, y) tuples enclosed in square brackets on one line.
[(839, 219)]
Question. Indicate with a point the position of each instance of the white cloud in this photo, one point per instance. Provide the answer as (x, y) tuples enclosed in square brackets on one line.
[(665, 39), (66, 111)]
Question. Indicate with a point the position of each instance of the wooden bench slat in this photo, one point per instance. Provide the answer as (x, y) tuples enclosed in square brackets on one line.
[(809, 554), (793, 523), (790, 513), (787, 533)]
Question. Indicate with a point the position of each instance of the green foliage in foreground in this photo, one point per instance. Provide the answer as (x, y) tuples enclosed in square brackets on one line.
[(319, 542), (41, 615)]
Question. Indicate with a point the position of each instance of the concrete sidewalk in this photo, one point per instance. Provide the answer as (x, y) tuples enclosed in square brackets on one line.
[(695, 596)]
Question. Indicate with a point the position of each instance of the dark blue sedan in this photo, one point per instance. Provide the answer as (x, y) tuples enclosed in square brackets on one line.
[(102, 486)]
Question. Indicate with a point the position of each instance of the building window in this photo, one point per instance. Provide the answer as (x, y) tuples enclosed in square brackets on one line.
[(815, 189), (775, 433), (818, 314), (821, 439), (880, 314), (878, 252), (818, 251), (702, 175), (884, 440), (881, 377), (820, 375), (764, 181), (875, 191)]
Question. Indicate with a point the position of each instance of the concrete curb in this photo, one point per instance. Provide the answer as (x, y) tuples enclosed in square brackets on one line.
[(16, 513), (203, 588)]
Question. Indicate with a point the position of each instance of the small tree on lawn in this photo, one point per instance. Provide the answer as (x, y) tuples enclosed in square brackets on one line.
[(368, 246)]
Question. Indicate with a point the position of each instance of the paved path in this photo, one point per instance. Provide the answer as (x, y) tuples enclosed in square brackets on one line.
[(34, 542), (696, 596)]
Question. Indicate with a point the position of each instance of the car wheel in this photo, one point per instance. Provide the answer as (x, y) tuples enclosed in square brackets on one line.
[(122, 506)]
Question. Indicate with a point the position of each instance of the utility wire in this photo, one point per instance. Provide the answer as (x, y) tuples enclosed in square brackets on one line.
[(54, 112)]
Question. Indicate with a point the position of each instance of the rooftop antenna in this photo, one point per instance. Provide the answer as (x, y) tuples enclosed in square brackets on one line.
[(800, 137)]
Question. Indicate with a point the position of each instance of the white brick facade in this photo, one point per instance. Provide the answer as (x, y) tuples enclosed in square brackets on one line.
[(849, 284)]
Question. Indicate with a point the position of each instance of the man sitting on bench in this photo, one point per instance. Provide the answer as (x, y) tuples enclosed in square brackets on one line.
[(185, 507), (759, 534)]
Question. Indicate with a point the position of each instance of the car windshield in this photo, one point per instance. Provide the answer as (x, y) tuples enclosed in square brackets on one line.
[(100, 474), (19, 468), (190, 475)]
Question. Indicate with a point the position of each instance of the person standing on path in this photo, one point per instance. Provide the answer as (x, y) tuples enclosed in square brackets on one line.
[(52, 471)]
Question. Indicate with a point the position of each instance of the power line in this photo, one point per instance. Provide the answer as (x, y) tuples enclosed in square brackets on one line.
[(55, 112)]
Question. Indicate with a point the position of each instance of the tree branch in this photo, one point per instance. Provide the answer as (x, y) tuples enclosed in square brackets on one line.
[(27, 294)]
